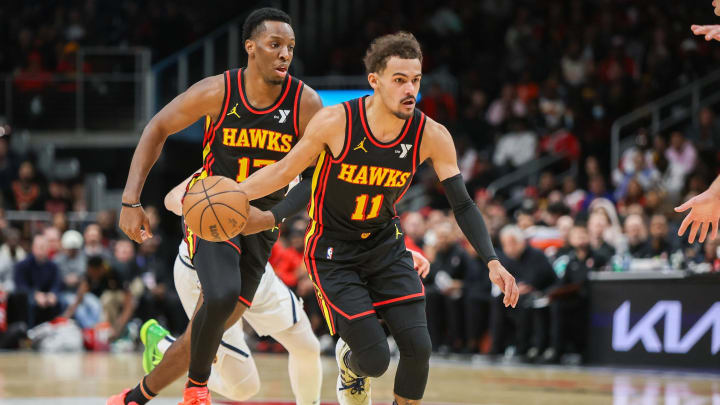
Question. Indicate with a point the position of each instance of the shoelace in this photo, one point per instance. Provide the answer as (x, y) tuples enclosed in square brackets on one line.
[(201, 397), (357, 386)]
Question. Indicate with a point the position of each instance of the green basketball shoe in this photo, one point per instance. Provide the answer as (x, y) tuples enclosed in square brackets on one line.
[(151, 334)]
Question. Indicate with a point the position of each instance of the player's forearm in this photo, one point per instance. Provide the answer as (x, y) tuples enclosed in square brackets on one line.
[(295, 200), (469, 218), (268, 180), (146, 154)]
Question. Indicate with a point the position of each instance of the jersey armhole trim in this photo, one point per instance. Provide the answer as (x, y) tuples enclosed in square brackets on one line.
[(225, 103), (296, 108), (348, 134), (418, 141)]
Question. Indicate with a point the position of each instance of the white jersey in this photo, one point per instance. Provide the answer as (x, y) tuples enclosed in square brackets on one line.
[(275, 307)]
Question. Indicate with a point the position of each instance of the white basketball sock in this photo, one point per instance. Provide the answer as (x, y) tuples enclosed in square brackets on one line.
[(304, 364)]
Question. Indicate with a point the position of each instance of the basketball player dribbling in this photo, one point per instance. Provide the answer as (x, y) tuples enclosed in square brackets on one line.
[(367, 151), (240, 137)]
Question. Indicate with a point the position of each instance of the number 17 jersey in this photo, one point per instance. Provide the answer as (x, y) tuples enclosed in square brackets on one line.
[(355, 194)]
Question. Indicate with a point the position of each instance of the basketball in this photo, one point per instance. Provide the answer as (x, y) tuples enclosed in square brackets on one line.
[(214, 209)]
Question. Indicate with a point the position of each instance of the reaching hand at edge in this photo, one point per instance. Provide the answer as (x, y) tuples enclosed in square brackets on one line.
[(704, 212)]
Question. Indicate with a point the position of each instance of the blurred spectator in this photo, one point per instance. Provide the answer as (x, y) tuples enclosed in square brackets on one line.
[(568, 297), (60, 221), (287, 261), (8, 165), (533, 274), (93, 242), (71, 260), (159, 298), (705, 135), (574, 65), (647, 177), (11, 253), (39, 279), (681, 157), (26, 192), (597, 189), (439, 105), (573, 195), (506, 106), (413, 224), (104, 296), (662, 244), (598, 226), (58, 198), (637, 235), (634, 194), (52, 237), (516, 147), (711, 256), (449, 270), (551, 104), (107, 220)]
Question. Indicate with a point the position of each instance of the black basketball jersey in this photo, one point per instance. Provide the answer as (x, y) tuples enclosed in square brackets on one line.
[(246, 138), (355, 194)]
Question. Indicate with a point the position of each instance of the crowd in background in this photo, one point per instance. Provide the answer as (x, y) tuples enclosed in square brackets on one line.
[(513, 81)]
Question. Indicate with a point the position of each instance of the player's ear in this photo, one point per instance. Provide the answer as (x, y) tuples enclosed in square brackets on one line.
[(249, 46), (373, 79)]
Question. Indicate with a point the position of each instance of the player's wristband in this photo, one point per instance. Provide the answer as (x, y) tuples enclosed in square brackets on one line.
[(135, 205)]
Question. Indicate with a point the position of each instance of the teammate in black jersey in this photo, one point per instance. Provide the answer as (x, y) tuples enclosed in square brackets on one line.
[(254, 116), (367, 151)]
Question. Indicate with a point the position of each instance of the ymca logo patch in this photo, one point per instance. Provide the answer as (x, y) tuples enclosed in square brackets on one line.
[(405, 148), (283, 116)]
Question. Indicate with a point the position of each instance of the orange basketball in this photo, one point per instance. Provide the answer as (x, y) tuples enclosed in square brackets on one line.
[(214, 209)]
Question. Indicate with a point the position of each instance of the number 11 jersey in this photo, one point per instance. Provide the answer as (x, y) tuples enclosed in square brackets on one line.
[(355, 194)]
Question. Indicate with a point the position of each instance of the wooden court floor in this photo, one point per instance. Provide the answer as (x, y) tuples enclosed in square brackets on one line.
[(32, 378)]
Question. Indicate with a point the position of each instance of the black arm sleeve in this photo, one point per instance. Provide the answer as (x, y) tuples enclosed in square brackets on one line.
[(468, 217), (296, 199)]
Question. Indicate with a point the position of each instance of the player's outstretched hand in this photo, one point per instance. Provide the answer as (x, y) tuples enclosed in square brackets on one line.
[(258, 221), (704, 211), (505, 281), (710, 31), (133, 221), (422, 265)]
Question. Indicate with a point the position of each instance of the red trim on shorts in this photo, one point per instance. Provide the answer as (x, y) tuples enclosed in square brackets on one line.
[(235, 246), (404, 298), (371, 137), (295, 108), (244, 301), (316, 278), (288, 81), (348, 134)]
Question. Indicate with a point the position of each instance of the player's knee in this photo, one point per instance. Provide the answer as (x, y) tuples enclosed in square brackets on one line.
[(374, 361), (222, 303), (415, 344), (245, 389)]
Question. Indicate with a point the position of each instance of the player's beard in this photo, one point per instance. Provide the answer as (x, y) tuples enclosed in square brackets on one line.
[(402, 115), (274, 82)]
